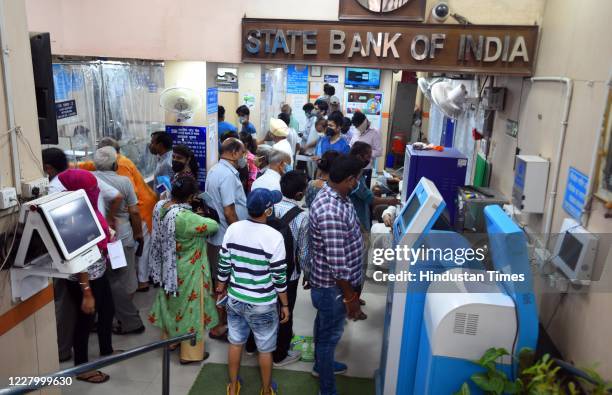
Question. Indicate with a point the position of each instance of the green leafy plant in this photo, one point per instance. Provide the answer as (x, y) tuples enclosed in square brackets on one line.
[(536, 377), (492, 381), (597, 385)]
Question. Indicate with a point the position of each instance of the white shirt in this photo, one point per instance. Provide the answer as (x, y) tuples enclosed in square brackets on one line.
[(293, 140), (269, 180), (285, 146), (107, 192)]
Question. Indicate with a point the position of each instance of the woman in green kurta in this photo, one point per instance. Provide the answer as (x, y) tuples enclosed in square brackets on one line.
[(178, 260)]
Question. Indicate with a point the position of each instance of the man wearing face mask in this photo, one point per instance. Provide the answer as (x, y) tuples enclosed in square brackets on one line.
[(244, 113), (184, 162), (333, 136), (278, 165), (363, 198), (161, 147), (279, 132), (366, 133), (335, 272), (226, 195)]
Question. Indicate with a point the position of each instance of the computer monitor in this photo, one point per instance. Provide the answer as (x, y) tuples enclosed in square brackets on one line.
[(68, 228), (73, 223), (420, 211), (574, 252), (360, 78)]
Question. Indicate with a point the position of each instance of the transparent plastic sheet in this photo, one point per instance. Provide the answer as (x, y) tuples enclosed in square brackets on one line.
[(275, 82), (462, 138), (116, 99)]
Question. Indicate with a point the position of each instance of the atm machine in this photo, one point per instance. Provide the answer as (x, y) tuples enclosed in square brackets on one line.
[(67, 228), (433, 331)]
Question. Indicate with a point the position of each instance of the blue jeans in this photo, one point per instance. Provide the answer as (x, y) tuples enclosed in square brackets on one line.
[(262, 320), (328, 329)]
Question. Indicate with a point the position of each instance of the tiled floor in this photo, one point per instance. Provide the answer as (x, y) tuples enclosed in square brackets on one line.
[(359, 348)]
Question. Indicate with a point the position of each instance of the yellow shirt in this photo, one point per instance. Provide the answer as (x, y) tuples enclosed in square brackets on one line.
[(146, 197)]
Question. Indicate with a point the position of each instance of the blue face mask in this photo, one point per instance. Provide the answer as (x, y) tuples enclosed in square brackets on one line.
[(288, 168)]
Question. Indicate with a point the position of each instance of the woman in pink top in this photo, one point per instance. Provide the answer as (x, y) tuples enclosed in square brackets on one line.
[(251, 146)]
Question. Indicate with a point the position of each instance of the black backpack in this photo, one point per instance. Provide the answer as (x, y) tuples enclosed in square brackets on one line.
[(282, 225)]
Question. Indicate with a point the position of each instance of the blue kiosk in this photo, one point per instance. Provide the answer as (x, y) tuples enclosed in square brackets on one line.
[(434, 330)]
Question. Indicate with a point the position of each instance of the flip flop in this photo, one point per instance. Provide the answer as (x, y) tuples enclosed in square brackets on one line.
[(102, 378)]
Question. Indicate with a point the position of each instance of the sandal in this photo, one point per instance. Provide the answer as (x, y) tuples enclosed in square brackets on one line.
[(237, 388), (185, 362), (118, 330), (95, 378)]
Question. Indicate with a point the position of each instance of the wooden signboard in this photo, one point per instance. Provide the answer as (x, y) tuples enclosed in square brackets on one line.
[(484, 49)]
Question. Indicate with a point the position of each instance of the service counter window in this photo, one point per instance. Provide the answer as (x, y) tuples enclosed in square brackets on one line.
[(119, 99)]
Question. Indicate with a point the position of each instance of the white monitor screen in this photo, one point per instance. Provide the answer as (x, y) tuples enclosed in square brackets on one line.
[(75, 224), (570, 250)]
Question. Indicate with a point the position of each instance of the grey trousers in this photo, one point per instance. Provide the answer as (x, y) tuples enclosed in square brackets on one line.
[(65, 318), (123, 284)]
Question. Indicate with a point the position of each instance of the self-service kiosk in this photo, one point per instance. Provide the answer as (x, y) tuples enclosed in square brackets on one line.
[(434, 330), (66, 227)]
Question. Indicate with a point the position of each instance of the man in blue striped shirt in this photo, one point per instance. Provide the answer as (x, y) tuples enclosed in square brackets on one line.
[(253, 260), (336, 247)]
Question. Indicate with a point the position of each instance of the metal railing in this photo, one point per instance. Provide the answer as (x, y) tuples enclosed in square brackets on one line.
[(106, 361)]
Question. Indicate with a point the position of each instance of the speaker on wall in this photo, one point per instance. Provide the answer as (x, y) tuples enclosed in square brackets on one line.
[(40, 44)]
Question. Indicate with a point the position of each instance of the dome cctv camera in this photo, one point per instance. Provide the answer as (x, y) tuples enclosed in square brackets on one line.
[(440, 11)]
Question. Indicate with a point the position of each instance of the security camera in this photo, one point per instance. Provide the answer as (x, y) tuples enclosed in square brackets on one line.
[(440, 11)]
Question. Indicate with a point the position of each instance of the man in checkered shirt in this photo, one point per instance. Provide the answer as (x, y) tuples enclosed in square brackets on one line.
[(337, 248)]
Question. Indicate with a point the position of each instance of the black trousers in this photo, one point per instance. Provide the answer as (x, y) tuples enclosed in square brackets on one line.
[(285, 331), (104, 307)]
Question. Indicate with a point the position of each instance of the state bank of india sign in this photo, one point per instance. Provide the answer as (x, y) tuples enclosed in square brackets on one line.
[(490, 49)]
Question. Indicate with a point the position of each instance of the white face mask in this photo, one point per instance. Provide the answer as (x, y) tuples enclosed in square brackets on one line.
[(242, 119)]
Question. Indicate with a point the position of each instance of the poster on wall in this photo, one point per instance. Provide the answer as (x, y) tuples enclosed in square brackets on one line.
[(297, 79), (369, 103), (331, 78), (575, 193), (248, 99), (193, 137), (65, 109), (212, 100), (213, 139)]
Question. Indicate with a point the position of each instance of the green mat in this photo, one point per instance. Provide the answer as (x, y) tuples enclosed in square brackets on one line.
[(213, 380)]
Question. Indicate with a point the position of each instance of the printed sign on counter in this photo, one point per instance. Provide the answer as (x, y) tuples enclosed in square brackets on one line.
[(193, 137)]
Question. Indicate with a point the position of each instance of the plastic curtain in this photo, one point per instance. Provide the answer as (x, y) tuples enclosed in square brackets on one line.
[(274, 95), (115, 99)]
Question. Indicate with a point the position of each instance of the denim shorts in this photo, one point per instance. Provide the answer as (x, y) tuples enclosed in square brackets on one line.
[(262, 320)]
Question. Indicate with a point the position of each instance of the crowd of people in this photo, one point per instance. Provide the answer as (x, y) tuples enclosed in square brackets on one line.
[(228, 259)]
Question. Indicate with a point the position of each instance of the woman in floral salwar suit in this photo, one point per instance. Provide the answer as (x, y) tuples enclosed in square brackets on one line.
[(186, 301)]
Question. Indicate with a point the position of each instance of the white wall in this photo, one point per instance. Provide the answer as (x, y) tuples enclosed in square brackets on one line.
[(29, 347), (572, 45), (204, 29)]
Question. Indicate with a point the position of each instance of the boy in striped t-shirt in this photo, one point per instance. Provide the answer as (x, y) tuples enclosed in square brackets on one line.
[(253, 260)]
